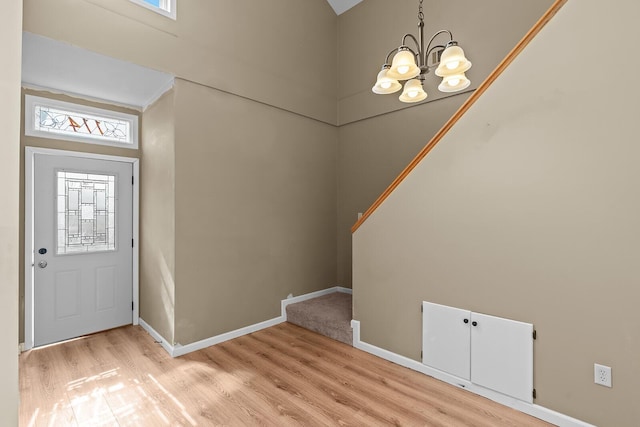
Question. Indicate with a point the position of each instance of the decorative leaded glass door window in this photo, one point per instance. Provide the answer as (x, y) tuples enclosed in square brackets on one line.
[(86, 213)]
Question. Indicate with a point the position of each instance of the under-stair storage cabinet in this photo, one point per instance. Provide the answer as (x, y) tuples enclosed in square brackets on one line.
[(489, 351)]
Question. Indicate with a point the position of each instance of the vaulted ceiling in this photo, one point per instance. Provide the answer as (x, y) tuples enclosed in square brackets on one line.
[(341, 6), (48, 64)]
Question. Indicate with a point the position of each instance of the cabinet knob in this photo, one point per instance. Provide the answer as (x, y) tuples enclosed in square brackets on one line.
[(474, 323), (466, 320)]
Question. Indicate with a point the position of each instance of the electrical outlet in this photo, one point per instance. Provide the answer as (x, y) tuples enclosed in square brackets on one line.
[(602, 375)]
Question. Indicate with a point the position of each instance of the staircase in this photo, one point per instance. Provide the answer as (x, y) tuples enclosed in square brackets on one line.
[(329, 315)]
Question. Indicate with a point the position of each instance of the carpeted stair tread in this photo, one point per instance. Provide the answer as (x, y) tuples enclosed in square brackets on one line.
[(329, 315)]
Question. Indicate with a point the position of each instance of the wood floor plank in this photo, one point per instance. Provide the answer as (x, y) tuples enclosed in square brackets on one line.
[(285, 404), (328, 383), (242, 393), (360, 387), (468, 408), (280, 376), (414, 396), (48, 403), (411, 392)]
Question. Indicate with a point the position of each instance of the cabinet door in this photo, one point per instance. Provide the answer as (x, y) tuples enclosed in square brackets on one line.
[(502, 355), (445, 339)]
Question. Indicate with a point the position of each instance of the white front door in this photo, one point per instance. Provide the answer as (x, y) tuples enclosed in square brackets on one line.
[(82, 240)]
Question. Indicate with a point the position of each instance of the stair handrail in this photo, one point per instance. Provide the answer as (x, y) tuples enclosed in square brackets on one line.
[(555, 7)]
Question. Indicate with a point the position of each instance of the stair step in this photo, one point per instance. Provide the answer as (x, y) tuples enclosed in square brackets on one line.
[(329, 315)]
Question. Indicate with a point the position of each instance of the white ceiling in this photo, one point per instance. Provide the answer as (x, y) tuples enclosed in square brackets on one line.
[(341, 6), (61, 67)]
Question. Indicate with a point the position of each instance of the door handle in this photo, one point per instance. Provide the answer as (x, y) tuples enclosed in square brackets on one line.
[(42, 264)]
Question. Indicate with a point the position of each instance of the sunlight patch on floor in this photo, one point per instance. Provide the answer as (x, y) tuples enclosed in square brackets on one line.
[(183, 409), (32, 421), (80, 382)]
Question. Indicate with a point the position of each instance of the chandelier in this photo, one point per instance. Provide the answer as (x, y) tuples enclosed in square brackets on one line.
[(411, 66)]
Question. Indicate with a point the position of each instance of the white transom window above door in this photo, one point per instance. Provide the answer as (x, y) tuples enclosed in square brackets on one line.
[(50, 118)]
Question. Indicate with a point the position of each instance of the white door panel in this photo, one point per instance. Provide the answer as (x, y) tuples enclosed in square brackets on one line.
[(83, 228), (502, 355), (68, 295), (446, 339), (106, 287)]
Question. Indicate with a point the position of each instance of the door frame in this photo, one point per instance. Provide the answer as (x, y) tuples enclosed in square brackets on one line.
[(29, 249)]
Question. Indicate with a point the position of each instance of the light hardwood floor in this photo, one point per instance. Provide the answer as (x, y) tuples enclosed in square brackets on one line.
[(281, 376)]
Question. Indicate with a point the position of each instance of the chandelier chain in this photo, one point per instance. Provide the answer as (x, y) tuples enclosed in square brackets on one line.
[(420, 13)]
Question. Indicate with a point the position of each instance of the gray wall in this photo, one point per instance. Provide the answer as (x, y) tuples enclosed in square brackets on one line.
[(255, 210), (372, 153), (206, 47), (254, 152), (379, 135), (280, 52), (157, 214), (527, 209), (11, 36)]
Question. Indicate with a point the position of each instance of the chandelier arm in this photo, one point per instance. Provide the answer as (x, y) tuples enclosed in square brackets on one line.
[(427, 53), (415, 40), (437, 34), (429, 48)]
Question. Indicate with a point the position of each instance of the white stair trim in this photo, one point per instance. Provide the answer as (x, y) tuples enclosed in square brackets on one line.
[(285, 302)]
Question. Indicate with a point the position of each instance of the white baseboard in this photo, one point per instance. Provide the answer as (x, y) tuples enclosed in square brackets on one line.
[(156, 336), (537, 411), (534, 410), (179, 350)]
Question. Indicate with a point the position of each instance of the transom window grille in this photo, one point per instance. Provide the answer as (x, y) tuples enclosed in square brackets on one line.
[(50, 118), (163, 7), (86, 213)]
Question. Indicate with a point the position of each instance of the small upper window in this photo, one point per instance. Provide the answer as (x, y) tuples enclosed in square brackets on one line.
[(163, 7), (50, 118)]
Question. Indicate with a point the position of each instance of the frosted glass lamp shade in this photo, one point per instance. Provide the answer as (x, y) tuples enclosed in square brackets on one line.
[(452, 62), (413, 91), (403, 66), (454, 83), (385, 84)]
